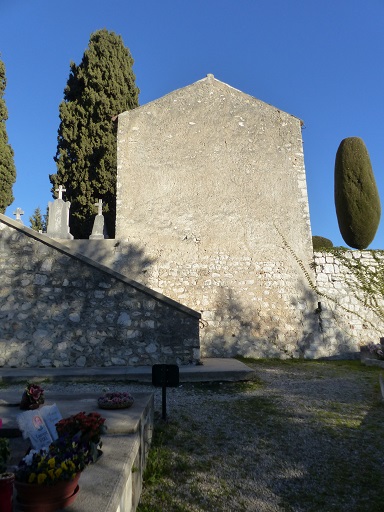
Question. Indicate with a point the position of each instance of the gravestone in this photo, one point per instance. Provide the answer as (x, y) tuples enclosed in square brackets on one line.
[(18, 214), (99, 231), (58, 217)]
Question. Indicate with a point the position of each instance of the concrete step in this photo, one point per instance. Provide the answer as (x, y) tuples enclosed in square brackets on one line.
[(211, 370)]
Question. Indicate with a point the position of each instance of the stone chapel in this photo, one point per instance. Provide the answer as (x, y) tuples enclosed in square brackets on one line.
[(212, 188)]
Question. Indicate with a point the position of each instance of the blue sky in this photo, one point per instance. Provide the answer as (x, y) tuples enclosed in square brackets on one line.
[(320, 61)]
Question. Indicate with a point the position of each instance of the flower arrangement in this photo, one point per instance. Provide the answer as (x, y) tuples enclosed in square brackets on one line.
[(87, 428), (90, 426), (6, 478), (33, 397), (4, 452), (63, 460), (115, 400)]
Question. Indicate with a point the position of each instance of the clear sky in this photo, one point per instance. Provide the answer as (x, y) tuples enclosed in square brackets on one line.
[(320, 61)]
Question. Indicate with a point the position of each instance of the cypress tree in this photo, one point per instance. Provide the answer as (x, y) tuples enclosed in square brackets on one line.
[(357, 200), (36, 221), (98, 89), (7, 164)]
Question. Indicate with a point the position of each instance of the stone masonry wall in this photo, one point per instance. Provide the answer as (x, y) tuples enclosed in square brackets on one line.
[(210, 184), (248, 307), (351, 299), (58, 308)]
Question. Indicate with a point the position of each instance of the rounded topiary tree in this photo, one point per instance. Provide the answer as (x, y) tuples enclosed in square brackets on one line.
[(319, 242), (357, 200)]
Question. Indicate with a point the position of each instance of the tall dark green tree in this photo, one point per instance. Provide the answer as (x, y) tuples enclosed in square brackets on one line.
[(357, 199), (98, 89), (7, 164)]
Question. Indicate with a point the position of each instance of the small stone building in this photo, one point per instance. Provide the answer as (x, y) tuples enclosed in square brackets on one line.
[(211, 187)]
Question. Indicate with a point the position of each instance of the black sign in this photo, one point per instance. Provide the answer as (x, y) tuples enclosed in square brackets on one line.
[(165, 375)]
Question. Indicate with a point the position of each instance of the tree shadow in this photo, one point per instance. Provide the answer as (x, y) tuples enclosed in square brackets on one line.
[(60, 308), (343, 429), (251, 330), (126, 258), (282, 330)]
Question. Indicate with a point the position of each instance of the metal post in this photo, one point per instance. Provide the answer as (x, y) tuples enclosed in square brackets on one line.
[(164, 401)]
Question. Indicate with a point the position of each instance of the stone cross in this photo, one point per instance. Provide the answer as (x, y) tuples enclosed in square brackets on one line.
[(60, 190), (99, 205), (18, 214)]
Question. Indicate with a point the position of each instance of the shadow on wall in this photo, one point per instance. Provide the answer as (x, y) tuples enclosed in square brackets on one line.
[(127, 259), (57, 310), (284, 331), (131, 260)]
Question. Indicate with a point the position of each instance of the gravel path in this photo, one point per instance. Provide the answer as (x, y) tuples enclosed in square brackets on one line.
[(301, 437)]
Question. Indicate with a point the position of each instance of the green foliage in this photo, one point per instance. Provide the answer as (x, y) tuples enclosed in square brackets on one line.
[(339, 252), (4, 454), (7, 165), (356, 197), (366, 281), (319, 242), (99, 89), (38, 221)]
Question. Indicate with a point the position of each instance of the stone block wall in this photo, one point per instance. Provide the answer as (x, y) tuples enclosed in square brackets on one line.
[(351, 299), (248, 307), (59, 308), (208, 181)]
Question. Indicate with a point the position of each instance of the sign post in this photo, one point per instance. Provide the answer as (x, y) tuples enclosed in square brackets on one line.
[(165, 375)]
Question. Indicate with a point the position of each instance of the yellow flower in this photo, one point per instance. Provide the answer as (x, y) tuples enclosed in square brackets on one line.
[(41, 478), (71, 465), (51, 473), (64, 466), (51, 462), (31, 478), (58, 472)]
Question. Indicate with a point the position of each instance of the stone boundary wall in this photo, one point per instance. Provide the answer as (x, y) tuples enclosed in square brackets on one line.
[(346, 319), (59, 308)]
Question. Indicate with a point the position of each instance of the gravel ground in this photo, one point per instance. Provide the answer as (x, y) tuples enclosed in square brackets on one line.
[(303, 436)]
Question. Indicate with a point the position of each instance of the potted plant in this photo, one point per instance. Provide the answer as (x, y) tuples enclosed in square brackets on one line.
[(48, 479), (89, 429), (32, 397), (6, 478)]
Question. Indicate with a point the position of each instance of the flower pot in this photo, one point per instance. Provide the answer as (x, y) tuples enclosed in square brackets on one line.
[(26, 404), (6, 491), (46, 498)]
